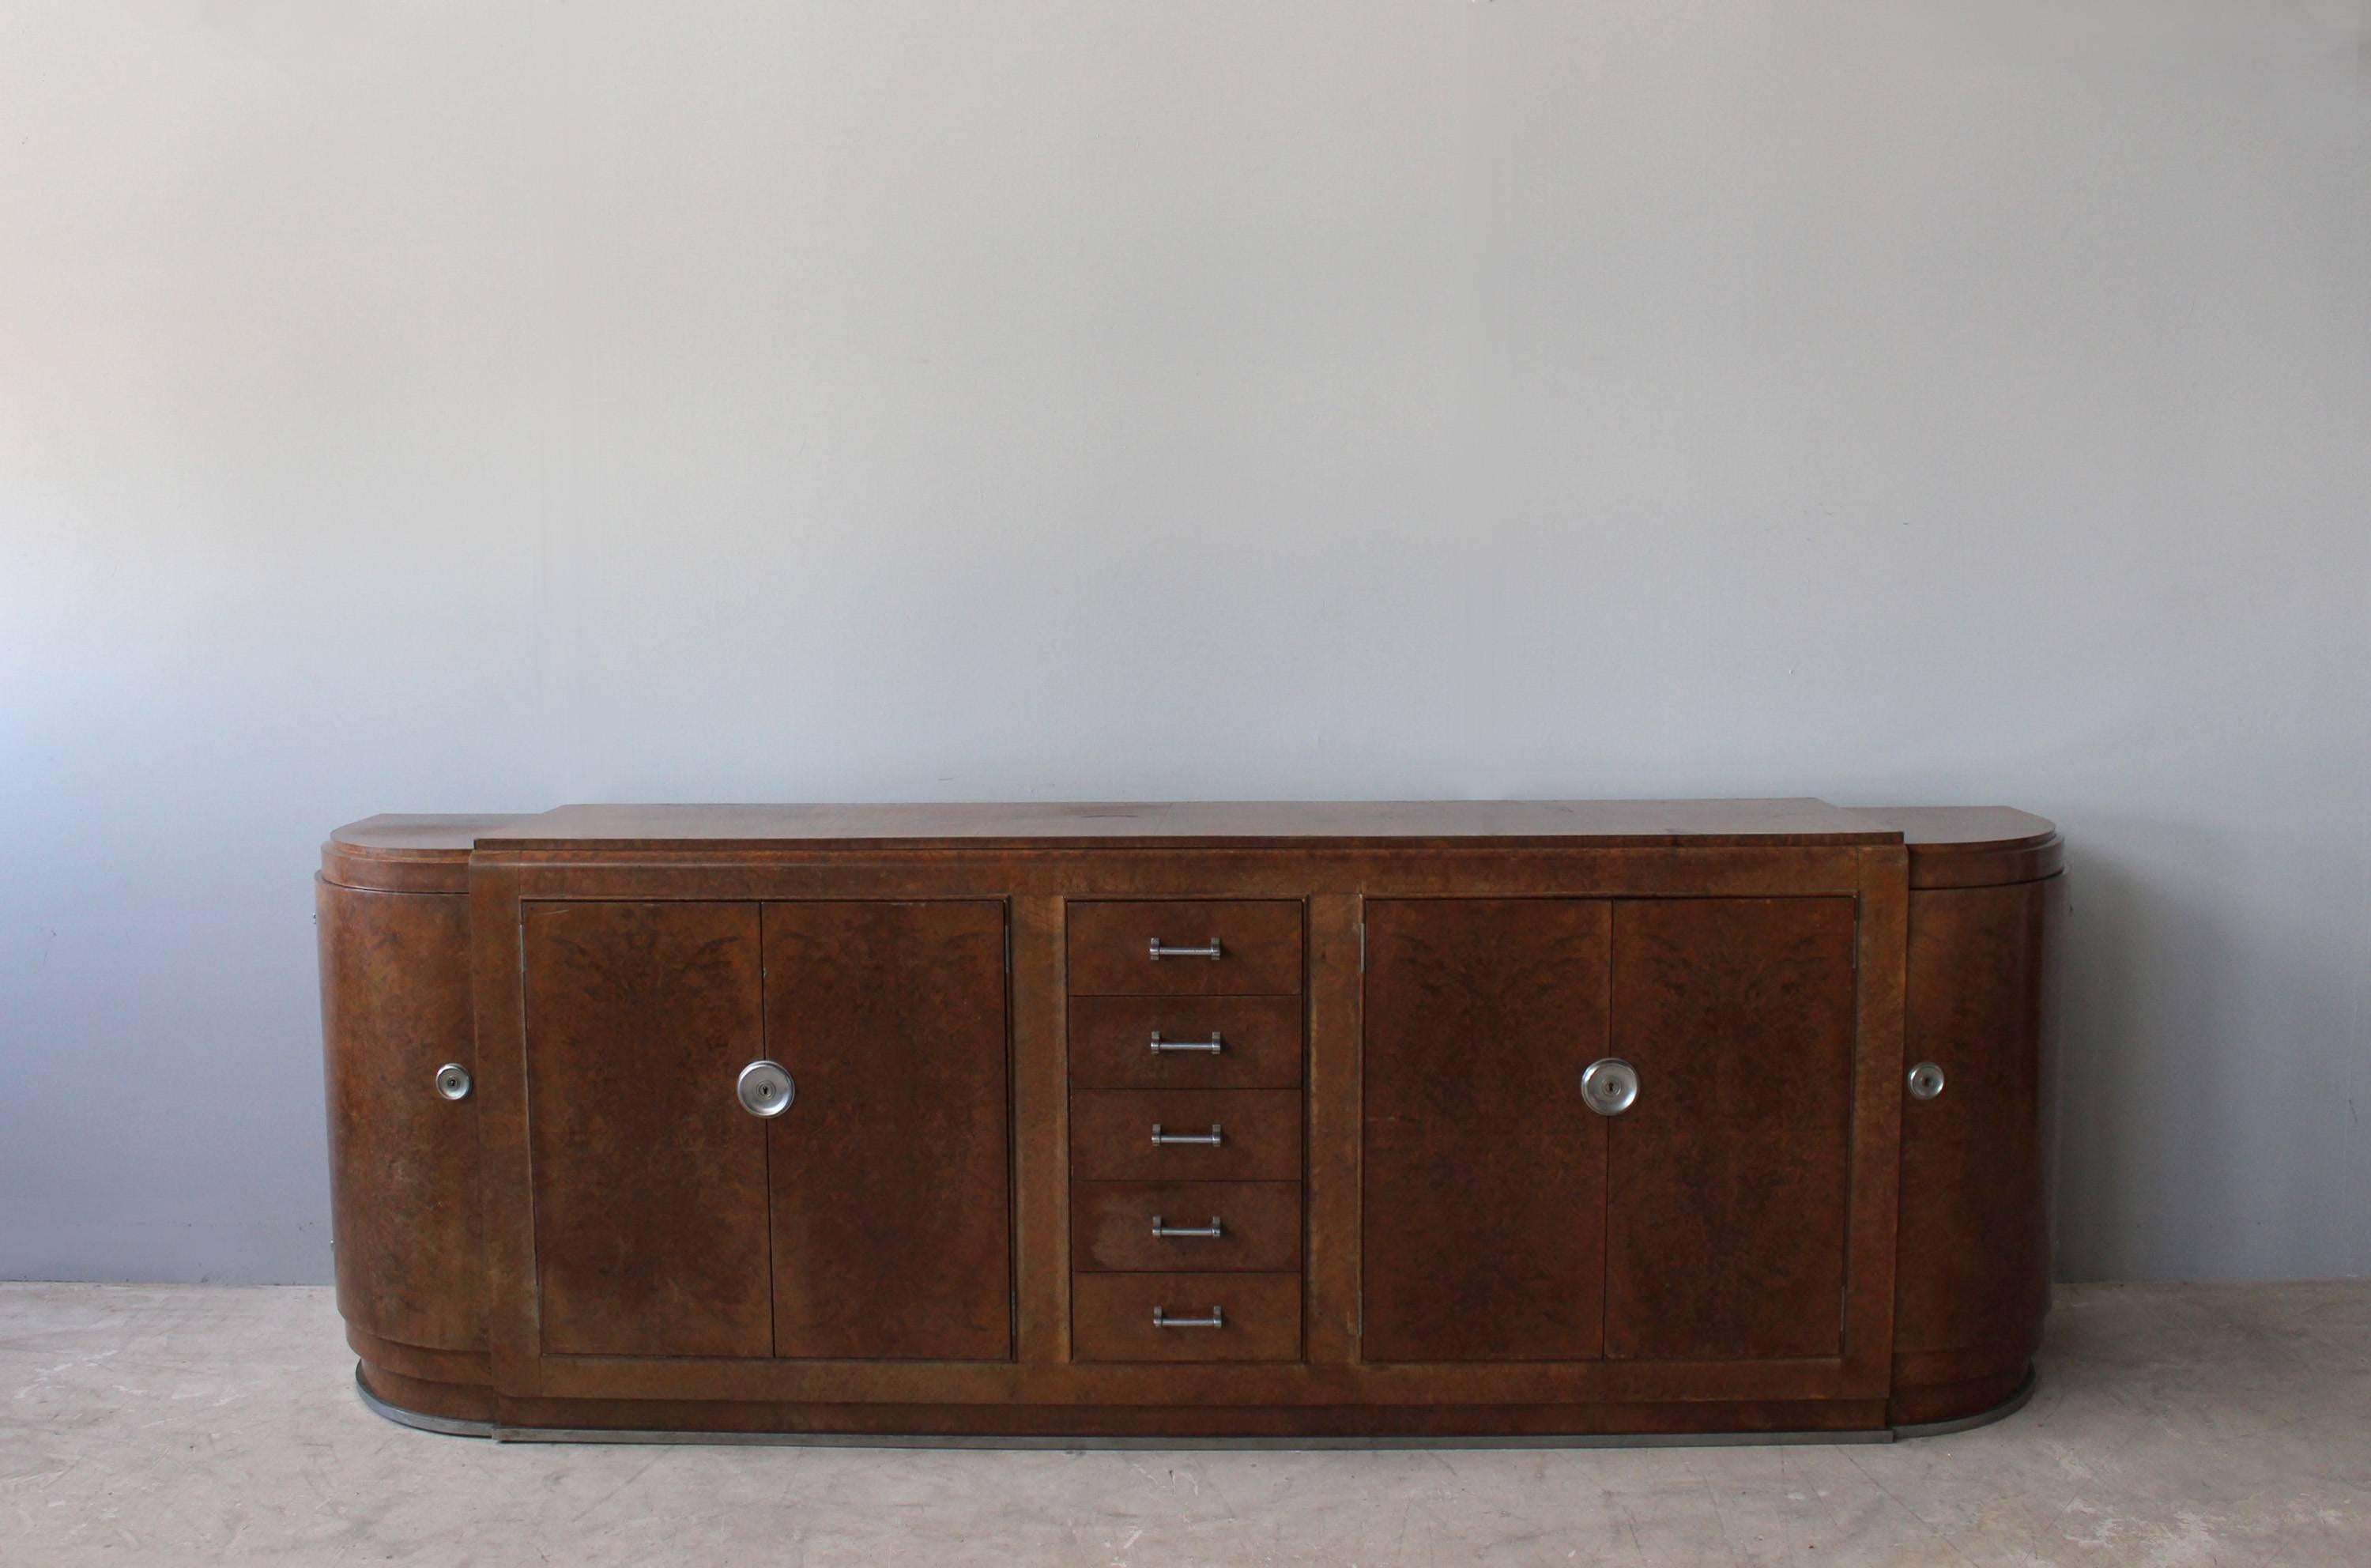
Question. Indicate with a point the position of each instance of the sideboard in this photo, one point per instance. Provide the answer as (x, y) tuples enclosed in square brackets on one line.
[(1461, 1121)]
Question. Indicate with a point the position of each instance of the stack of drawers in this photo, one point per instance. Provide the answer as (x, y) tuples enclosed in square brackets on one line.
[(1185, 1118)]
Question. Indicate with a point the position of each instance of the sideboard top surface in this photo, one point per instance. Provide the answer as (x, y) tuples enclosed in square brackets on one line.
[(1949, 844), (1230, 825)]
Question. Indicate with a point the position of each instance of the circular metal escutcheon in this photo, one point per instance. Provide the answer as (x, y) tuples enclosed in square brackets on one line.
[(453, 1081), (766, 1089), (1610, 1085), (1925, 1081)]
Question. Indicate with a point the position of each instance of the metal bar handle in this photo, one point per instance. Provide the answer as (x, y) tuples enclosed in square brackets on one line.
[(1162, 950), (1212, 1139), (1213, 1044), (1213, 1231), (1217, 1320)]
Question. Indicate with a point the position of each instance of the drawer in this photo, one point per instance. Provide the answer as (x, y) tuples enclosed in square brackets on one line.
[(1112, 1042), (1111, 1317), (1258, 1133), (1258, 943), (1258, 1224)]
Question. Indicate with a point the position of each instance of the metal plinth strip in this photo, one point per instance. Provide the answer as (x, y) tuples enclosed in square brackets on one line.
[(451, 1426), (454, 1428), (2007, 1407)]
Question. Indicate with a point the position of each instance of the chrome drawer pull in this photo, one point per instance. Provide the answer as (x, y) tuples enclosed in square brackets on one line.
[(1213, 1044), (1217, 1320), (765, 1090), (1162, 950), (1213, 1231), (1610, 1087), (1212, 1139)]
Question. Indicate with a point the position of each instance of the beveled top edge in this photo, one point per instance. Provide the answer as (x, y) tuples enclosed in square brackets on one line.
[(1927, 831), (405, 854), (1952, 830), (440, 835), (1200, 824)]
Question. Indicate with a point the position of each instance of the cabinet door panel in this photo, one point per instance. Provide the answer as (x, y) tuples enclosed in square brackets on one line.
[(1484, 1172), (649, 1178), (403, 1160), (1973, 1264), (891, 1193), (1728, 1179)]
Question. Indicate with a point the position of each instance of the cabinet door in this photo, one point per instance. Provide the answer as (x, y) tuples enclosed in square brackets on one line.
[(1728, 1184), (403, 1160), (1974, 1263), (649, 1177), (892, 1229), (1483, 1206)]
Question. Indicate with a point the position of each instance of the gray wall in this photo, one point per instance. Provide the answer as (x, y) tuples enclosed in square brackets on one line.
[(445, 407)]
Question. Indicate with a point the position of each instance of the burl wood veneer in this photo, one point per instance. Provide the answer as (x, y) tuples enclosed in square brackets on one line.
[(1286, 1121)]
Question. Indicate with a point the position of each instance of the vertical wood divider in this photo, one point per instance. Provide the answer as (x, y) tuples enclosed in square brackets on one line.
[(1041, 1132), (514, 1331), (1335, 1107), (1884, 936)]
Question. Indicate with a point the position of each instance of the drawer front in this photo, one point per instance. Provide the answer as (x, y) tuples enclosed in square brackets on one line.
[(1111, 948), (1257, 1132), (1113, 1041), (1111, 1317), (1112, 1226)]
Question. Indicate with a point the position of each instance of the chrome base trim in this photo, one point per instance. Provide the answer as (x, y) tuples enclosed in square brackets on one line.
[(2007, 1407), (1188, 1444), (453, 1427)]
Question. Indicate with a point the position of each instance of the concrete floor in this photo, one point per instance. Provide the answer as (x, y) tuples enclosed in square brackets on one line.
[(2174, 1425)]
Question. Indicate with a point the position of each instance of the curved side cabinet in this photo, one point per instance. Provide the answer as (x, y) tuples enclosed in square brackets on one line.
[(1973, 1270), (396, 1014)]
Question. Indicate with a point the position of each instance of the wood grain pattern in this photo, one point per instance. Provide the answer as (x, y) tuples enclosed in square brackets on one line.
[(456, 1401), (650, 1179), (506, 1177), (1973, 846), (1483, 1204), (1041, 1134), (1881, 960), (1111, 1135), (1111, 1226), (1729, 1176), (414, 1361), (1114, 1317), (403, 1161), (1972, 1273), (1297, 1383), (1259, 1037), (1330, 1305), (889, 1174), (1962, 829), (1154, 1420), (1259, 947), (1283, 873), (405, 854)]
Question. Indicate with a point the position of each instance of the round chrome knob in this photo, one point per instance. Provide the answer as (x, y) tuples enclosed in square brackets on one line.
[(1610, 1086), (453, 1081), (766, 1089), (1925, 1081)]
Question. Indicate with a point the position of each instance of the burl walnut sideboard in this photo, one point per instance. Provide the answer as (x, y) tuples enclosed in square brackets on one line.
[(1536, 1121)]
